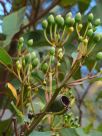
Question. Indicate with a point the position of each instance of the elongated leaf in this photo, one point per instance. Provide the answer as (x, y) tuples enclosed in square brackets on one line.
[(4, 57), (12, 89)]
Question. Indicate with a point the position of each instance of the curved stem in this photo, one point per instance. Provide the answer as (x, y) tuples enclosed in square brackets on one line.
[(65, 39), (50, 85), (55, 32), (63, 33), (93, 46), (77, 30), (22, 93), (86, 30), (94, 66), (51, 32), (47, 38), (31, 101)]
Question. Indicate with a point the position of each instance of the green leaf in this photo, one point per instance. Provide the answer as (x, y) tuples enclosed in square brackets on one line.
[(88, 128), (12, 22), (78, 132), (4, 57), (68, 132), (36, 133), (95, 133)]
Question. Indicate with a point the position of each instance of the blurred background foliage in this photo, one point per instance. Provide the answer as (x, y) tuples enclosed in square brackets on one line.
[(23, 18)]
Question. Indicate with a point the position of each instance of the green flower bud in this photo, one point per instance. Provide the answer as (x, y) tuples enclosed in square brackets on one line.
[(97, 22), (59, 20), (76, 125), (44, 24), (65, 118), (90, 17), (51, 19), (44, 67), (90, 32), (78, 17), (99, 56), (85, 41), (90, 25), (35, 62), (18, 64), (29, 88), (44, 82), (33, 55), (58, 64), (77, 119), (97, 38), (59, 50), (52, 51), (21, 40), (70, 115), (80, 27), (69, 21), (71, 29), (60, 55), (69, 14), (20, 45), (72, 121), (30, 42)]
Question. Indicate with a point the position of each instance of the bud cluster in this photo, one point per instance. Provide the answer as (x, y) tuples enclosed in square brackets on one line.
[(62, 27), (71, 121)]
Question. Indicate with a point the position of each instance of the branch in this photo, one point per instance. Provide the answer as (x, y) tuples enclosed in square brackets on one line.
[(80, 102), (4, 8), (54, 3), (80, 81), (58, 89)]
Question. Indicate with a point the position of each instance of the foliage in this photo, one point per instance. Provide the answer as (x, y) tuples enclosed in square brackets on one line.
[(41, 75)]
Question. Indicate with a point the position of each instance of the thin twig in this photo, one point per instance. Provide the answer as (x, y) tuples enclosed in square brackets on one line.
[(54, 3), (15, 125)]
